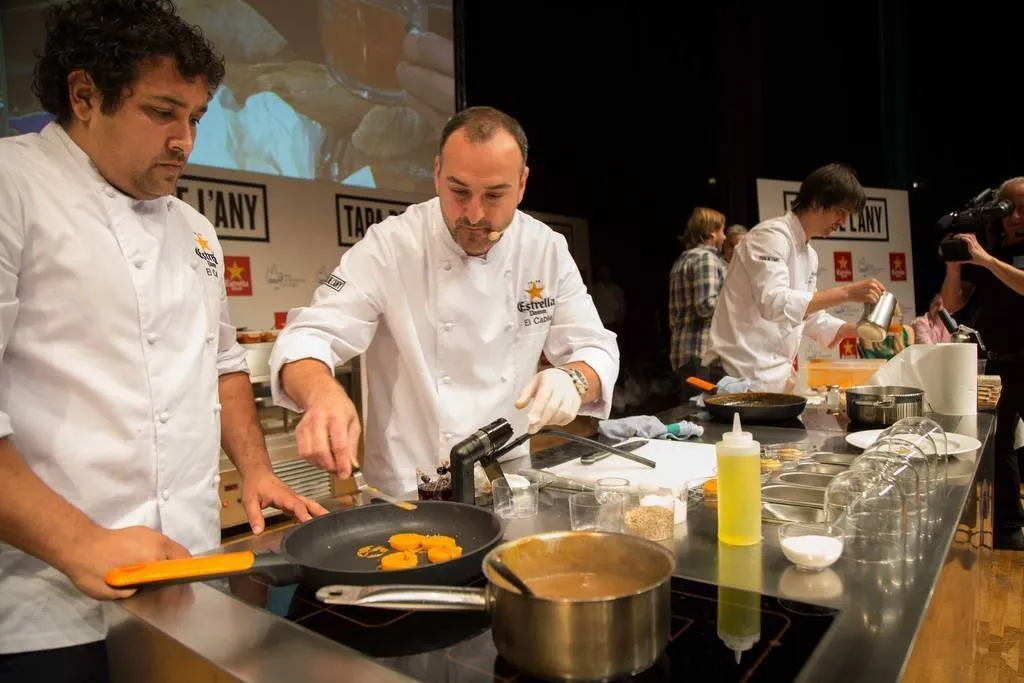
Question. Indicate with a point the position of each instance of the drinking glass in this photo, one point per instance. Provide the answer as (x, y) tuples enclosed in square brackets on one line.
[(587, 513)]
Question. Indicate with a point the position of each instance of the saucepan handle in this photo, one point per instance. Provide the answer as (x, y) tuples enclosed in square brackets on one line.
[(427, 598)]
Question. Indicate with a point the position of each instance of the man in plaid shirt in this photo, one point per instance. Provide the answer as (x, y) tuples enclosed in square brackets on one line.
[(696, 278)]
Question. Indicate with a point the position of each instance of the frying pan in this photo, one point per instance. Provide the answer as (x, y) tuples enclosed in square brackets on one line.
[(322, 551), (755, 407), (752, 406)]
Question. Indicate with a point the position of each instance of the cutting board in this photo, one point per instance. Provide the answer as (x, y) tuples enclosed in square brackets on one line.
[(677, 463)]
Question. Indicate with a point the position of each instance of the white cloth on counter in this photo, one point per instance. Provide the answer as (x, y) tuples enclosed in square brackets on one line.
[(450, 340), (113, 330), (760, 317), (947, 373), (649, 427)]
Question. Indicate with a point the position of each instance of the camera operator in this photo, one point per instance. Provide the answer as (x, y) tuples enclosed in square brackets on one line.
[(995, 282)]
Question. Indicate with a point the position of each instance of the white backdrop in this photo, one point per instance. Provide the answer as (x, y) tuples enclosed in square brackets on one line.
[(283, 236), (875, 243)]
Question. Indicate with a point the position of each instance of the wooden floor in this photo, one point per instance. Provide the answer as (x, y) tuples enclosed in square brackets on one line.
[(996, 629), (1000, 626)]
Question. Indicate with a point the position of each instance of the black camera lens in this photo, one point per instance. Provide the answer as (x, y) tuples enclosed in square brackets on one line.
[(952, 249)]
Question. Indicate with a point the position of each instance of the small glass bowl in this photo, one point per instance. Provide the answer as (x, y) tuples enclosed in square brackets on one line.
[(811, 546)]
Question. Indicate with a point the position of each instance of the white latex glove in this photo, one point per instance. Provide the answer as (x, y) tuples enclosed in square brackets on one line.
[(552, 398)]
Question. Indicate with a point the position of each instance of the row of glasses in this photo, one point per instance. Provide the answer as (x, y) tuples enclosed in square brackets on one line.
[(882, 501)]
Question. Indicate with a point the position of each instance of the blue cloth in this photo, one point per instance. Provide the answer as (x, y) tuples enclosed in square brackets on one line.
[(726, 385), (649, 427)]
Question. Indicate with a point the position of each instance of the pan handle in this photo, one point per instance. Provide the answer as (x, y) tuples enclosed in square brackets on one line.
[(426, 598), (701, 384), (204, 568)]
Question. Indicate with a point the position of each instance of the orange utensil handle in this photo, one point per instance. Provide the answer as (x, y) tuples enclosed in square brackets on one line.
[(164, 572), (701, 384)]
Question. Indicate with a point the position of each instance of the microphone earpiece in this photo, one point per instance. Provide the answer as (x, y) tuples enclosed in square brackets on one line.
[(493, 235)]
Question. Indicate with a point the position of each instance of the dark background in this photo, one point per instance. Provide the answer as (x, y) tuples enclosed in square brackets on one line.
[(631, 108)]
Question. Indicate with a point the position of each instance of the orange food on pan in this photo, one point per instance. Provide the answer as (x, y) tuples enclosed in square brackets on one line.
[(444, 553), (400, 560), (438, 542), (405, 541), (372, 551)]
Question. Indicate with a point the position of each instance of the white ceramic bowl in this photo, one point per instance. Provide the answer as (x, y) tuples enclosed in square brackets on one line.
[(811, 546)]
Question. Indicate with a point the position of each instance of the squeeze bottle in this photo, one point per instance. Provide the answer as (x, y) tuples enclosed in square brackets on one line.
[(739, 486)]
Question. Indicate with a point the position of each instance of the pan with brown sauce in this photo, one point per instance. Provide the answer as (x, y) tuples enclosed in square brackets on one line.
[(583, 586)]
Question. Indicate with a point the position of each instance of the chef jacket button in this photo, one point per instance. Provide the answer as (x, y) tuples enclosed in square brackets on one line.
[(138, 263), (447, 265), (151, 339), (216, 407), (447, 436), (446, 380), (508, 273), (111, 192), (448, 327), (210, 337), (166, 495), (164, 417), (195, 265), (509, 325), (504, 378)]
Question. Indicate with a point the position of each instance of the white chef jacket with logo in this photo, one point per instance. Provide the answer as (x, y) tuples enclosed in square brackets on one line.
[(450, 340), (760, 317), (114, 329)]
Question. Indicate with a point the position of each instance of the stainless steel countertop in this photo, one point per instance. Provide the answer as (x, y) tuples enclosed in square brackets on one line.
[(880, 608)]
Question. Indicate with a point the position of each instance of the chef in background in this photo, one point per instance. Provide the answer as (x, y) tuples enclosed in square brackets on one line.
[(452, 303), (120, 377), (770, 298)]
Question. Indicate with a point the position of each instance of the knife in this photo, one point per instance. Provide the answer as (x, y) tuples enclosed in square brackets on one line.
[(591, 458), (361, 484)]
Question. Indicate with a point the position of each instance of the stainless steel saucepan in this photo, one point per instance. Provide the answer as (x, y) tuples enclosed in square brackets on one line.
[(600, 610), (883, 405)]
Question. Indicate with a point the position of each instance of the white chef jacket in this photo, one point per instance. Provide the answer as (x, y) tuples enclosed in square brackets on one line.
[(113, 330), (450, 340), (761, 312)]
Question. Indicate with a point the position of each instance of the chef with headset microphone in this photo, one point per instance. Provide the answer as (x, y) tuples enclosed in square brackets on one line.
[(452, 304)]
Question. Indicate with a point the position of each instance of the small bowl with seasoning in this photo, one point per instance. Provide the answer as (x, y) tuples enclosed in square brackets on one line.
[(654, 518), (811, 546)]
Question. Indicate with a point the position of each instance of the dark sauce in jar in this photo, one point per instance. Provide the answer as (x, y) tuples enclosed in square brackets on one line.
[(435, 488)]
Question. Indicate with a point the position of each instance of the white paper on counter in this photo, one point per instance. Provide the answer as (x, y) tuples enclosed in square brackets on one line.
[(948, 374), (677, 463)]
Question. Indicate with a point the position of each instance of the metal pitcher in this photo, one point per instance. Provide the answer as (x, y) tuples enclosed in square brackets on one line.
[(874, 324)]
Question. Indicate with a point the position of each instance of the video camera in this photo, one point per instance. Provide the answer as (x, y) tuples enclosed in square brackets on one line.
[(982, 217)]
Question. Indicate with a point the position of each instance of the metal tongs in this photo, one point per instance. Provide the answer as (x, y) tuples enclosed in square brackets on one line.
[(611, 450)]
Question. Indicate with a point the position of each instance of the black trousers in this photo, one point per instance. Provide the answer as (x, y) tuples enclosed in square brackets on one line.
[(77, 664), (1009, 515)]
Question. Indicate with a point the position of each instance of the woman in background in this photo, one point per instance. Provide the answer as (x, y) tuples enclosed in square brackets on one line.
[(928, 328), (733, 235)]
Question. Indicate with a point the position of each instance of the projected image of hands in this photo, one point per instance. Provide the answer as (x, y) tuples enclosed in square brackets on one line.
[(351, 91)]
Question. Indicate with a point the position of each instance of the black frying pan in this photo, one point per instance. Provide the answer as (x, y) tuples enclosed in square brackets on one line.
[(755, 407), (322, 551)]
